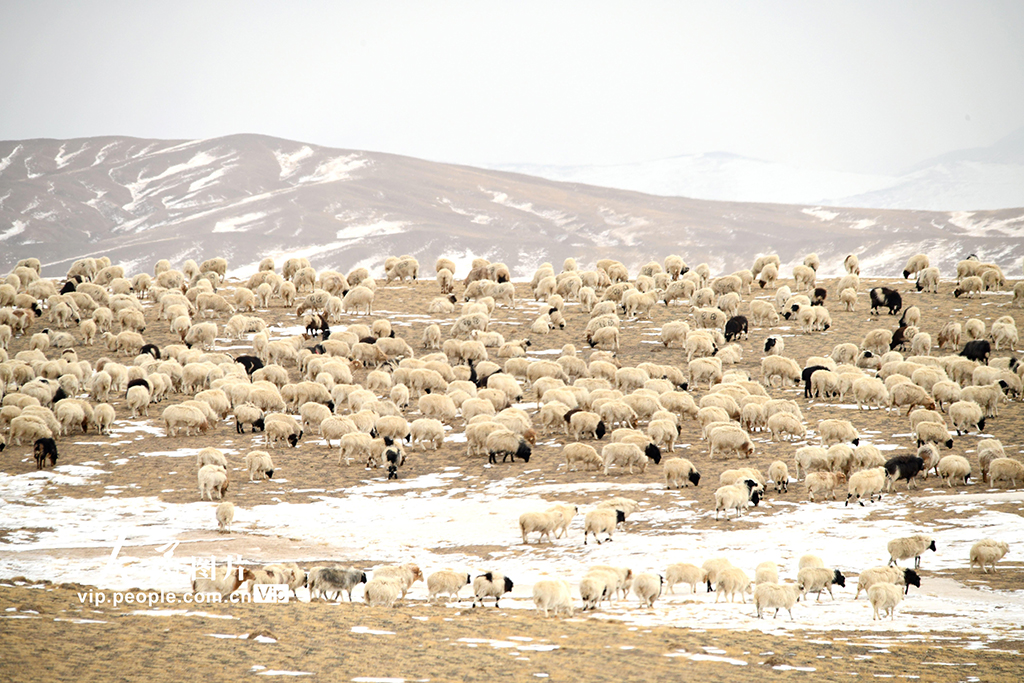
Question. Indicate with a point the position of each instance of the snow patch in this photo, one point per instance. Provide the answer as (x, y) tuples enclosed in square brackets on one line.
[(238, 223), (16, 228), (820, 213), (289, 163)]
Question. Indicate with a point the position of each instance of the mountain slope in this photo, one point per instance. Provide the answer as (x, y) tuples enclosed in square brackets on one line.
[(248, 196)]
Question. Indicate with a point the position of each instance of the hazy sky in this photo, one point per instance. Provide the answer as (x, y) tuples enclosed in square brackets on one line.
[(865, 86)]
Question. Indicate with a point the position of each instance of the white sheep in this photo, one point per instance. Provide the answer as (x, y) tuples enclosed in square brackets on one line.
[(212, 478), (685, 573), (404, 575), (647, 587), (577, 453), (778, 472), (837, 431), (909, 547), (225, 516), (780, 367), (884, 597), (785, 424), (211, 456), (601, 520), (868, 483), (446, 582), (259, 465), (730, 582), (544, 523), (730, 439), (1004, 469), (819, 579), (824, 483), (226, 580), (988, 551), (736, 497), (954, 468), (553, 595), (623, 455), (383, 592), (773, 595), (680, 472)]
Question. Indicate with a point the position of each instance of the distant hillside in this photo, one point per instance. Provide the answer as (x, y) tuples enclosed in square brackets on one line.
[(248, 196)]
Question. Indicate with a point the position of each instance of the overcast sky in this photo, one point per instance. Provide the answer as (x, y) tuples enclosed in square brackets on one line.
[(862, 86)]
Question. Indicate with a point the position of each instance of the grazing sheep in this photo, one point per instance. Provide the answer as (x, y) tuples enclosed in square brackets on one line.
[(553, 595), (684, 573), (884, 297), (576, 453), (988, 551), (680, 472), (819, 579), (647, 587), (911, 396), (226, 580), (785, 424), (730, 439), (894, 575), (259, 465), (778, 472), (324, 581), (781, 367), (544, 523), (954, 468), (211, 456), (507, 444), (837, 431), (730, 581), (824, 483), (970, 286), (491, 585), (868, 483), (909, 547), (737, 497), (225, 516), (627, 455), (933, 433), (212, 478), (884, 597), (601, 520), (1005, 469)]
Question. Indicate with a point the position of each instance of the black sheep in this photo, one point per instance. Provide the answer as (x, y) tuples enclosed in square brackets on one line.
[(977, 350), (820, 294), (903, 467), (654, 453), (137, 382), (910, 578), (899, 338), (770, 343), (735, 326), (45, 448), (883, 297), (250, 363), (151, 349)]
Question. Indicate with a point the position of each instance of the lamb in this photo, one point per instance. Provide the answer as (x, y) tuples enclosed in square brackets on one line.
[(737, 497), (685, 573), (988, 551), (1005, 468), (867, 482), (491, 585), (894, 575), (819, 579), (259, 465), (680, 472), (902, 467), (212, 478), (909, 546), (326, 580), (884, 597), (601, 520), (776, 596), (553, 595), (404, 575), (647, 587), (225, 516)]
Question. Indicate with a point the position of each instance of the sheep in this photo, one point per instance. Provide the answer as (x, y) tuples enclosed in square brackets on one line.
[(884, 597), (225, 516), (911, 396), (685, 573), (893, 575), (212, 478), (988, 397), (778, 472), (884, 297), (970, 286), (211, 456), (627, 455), (867, 482), (225, 581), (357, 299), (768, 276), (902, 467), (601, 520), (783, 424), (837, 431), (404, 575), (553, 595), (325, 580), (446, 582), (1005, 468), (582, 423), (259, 465), (507, 444), (544, 523), (868, 391), (988, 551), (909, 547), (427, 430), (781, 367), (647, 587), (915, 264), (280, 427), (103, 417), (819, 579), (933, 433), (824, 483), (248, 414), (491, 585), (178, 417), (730, 581), (778, 596), (989, 450), (382, 592), (42, 449), (730, 439), (736, 496), (680, 472), (965, 415), (804, 277)]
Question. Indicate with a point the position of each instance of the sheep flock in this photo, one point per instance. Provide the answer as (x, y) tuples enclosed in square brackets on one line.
[(620, 396)]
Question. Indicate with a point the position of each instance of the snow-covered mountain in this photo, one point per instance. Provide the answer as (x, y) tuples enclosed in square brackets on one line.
[(245, 197), (983, 178)]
